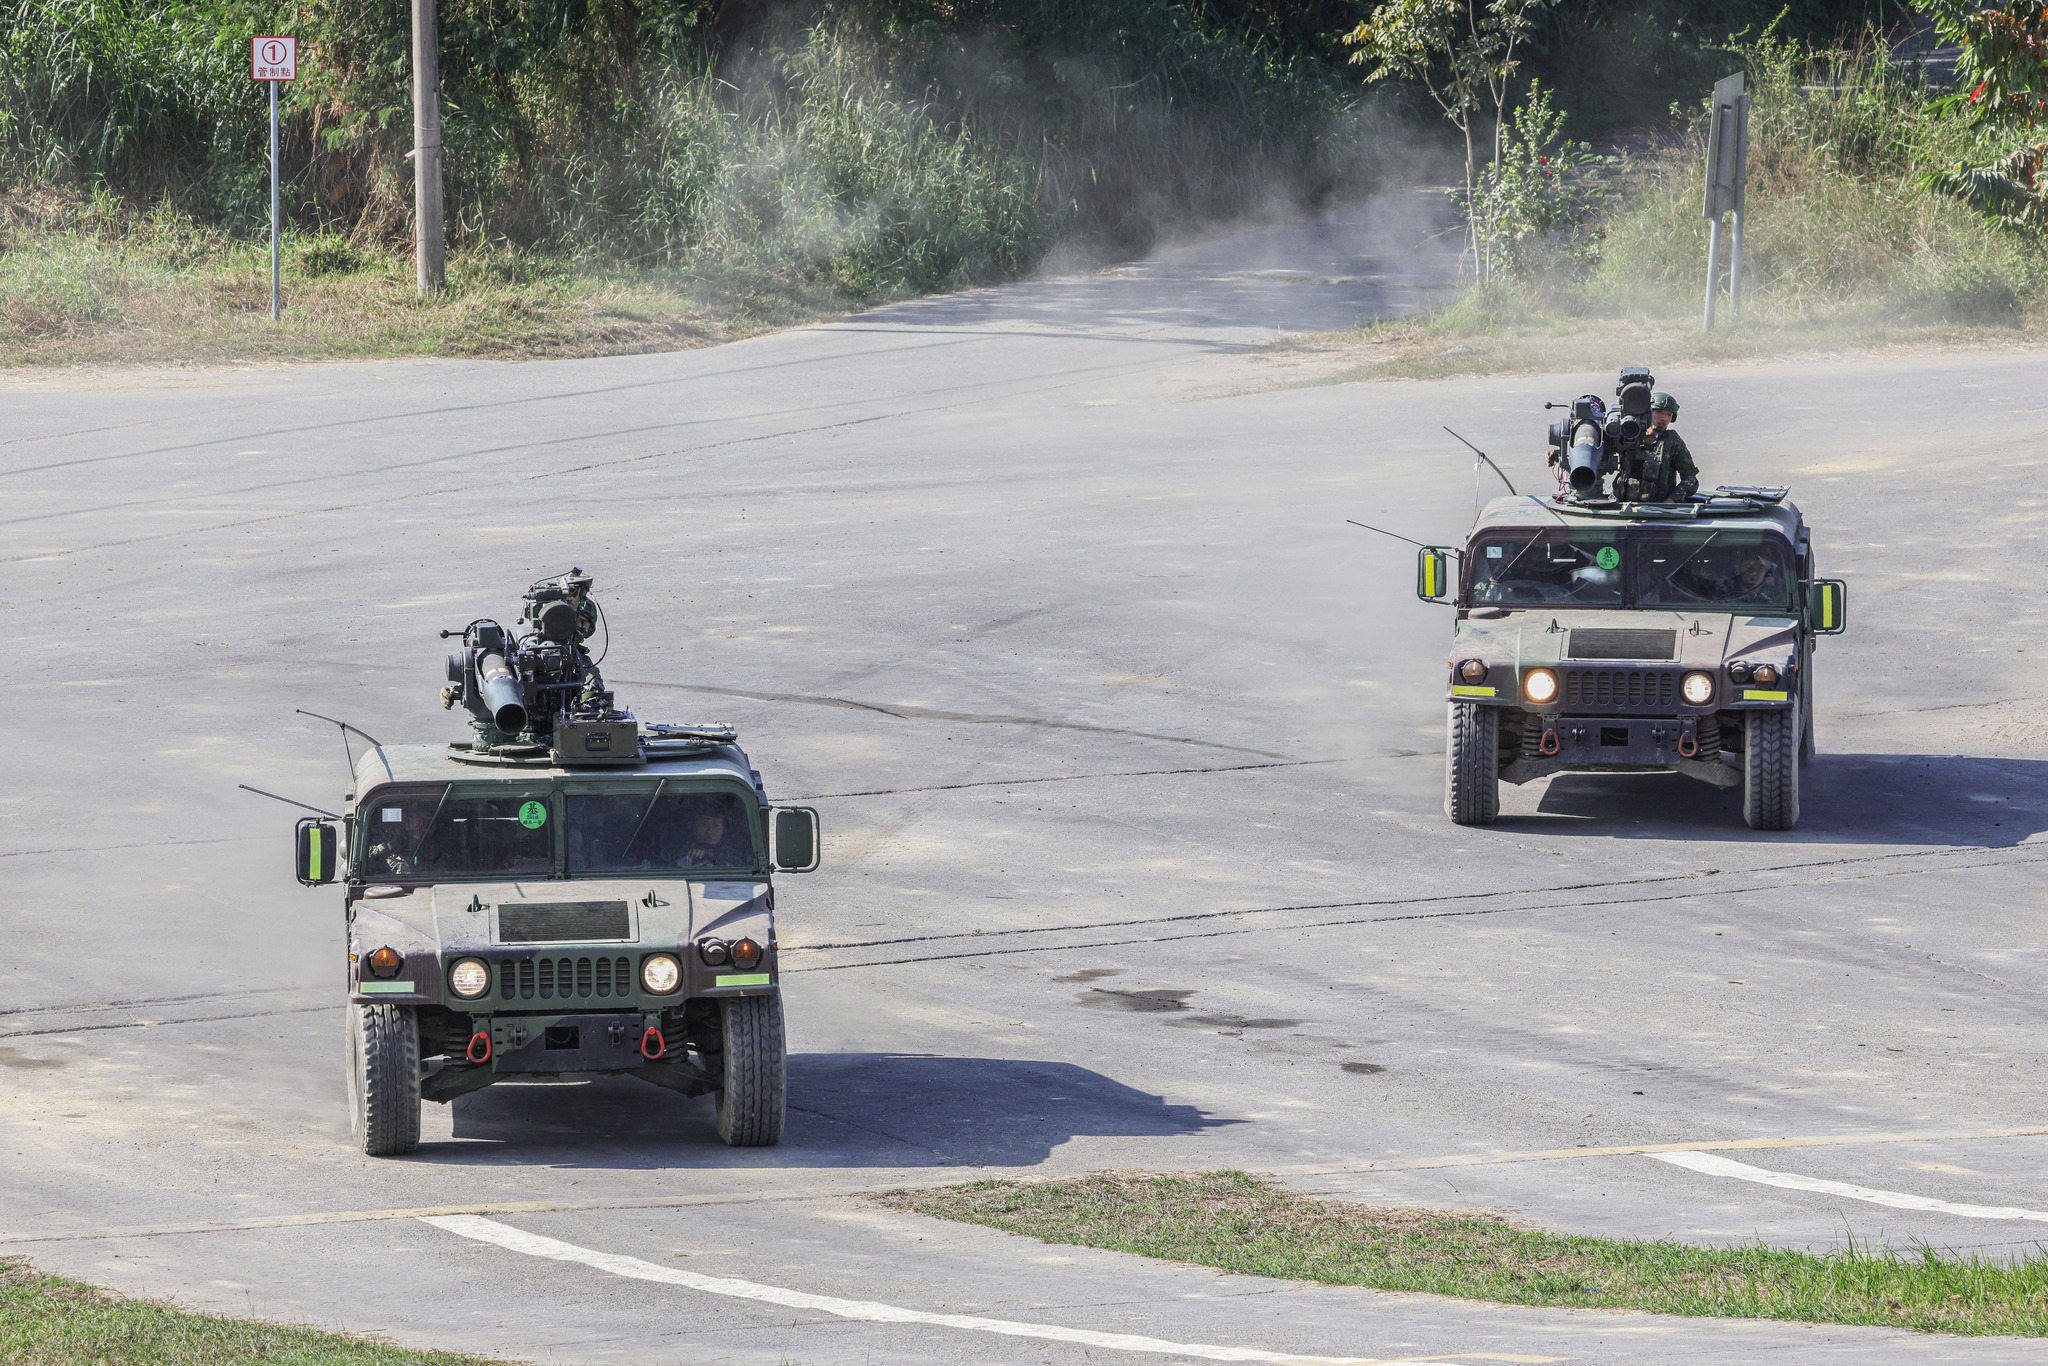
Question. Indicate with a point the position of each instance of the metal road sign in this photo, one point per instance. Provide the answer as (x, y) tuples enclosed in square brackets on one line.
[(1727, 149), (274, 59), (1727, 180)]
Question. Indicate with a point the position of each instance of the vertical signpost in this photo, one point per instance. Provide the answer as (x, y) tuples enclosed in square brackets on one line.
[(1727, 177), (273, 60)]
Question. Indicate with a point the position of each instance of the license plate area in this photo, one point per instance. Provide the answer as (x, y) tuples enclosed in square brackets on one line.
[(580, 1043)]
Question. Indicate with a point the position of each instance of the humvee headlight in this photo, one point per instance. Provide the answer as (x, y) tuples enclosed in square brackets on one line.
[(1473, 671), (385, 962), (1540, 686), (1698, 689), (713, 952), (661, 974), (746, 955), (469, 978), (1765, 675)]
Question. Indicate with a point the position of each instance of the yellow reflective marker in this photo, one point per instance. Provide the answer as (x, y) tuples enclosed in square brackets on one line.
[(372, 988), (313, 856), (751, 979), (1760, 695), (1467, 690)]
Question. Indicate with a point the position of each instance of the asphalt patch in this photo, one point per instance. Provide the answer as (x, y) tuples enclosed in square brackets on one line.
[(1149, 1001), (1363, 1069)]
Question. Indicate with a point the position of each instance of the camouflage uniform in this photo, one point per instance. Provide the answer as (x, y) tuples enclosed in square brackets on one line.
[(1664, 471)]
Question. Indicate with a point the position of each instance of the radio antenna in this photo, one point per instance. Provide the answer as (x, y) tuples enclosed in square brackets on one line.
[(345, 729), (1490, 465)]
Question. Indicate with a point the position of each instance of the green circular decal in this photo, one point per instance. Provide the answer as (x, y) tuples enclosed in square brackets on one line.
[(1608, 557), (533, 815)]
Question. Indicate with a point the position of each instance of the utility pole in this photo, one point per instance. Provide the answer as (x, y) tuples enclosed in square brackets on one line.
[(429, 231)]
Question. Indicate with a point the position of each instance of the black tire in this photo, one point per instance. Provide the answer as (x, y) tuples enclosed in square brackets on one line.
[(1472, 764), (756, 1082), (384, 1079), (1770, 769)]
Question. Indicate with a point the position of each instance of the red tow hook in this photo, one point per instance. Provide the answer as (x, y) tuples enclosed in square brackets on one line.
[(652, 1045), (1688, 746), (1549, 745), (479, 1050)]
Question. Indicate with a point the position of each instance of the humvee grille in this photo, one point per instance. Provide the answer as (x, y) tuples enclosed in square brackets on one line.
[(1621, 689), (558, 979)]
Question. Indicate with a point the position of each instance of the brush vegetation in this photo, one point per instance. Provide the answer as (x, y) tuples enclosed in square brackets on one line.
[(1240, 1223), (49, 1321), (1846, 245)]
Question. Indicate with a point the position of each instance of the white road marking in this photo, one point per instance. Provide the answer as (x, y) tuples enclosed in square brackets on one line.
[(1711, 1165), (535, 1245)]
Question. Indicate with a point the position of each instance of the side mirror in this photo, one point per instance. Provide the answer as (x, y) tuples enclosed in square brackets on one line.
[(318, 851), (1828, 606), (1432, 573), (794, 845)]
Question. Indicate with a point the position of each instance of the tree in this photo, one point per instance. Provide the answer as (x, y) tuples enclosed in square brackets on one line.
[(2004, 59), (1463, 53)]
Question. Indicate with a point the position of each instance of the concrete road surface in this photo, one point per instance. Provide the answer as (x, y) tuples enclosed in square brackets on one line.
[(1129, 752)]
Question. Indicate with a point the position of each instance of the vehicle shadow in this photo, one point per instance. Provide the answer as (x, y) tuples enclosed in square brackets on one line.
[(845, 1110), (1958, 800)]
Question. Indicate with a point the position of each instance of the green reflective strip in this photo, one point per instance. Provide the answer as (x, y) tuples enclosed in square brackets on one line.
[(371, 988), (749, 979), (1467, 690), (313, 856), (1759, 695)]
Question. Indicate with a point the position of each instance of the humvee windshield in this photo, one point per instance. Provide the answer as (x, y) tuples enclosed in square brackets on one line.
[(426, 833), (1719, 568), (1581, 569), (632, 831)]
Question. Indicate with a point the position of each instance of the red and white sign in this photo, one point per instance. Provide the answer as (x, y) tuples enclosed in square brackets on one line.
[(274, 59)]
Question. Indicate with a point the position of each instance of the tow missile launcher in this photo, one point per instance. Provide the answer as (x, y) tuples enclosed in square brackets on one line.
[(537, 690)]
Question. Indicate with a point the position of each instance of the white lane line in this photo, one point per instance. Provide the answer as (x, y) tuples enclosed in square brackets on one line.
[(1712, 1165), (535, 1245)]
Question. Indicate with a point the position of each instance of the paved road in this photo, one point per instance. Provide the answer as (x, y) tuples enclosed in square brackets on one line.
[(1129, 753)]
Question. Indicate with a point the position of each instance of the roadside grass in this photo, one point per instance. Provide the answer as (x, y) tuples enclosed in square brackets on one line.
[(1238, 1222), (1500, 329), (87, 283), (49, 1321)]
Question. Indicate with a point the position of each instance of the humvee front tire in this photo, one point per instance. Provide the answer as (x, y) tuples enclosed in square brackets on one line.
[(1770, 769), (1472, 764), (750, 1103), (384, 1079)]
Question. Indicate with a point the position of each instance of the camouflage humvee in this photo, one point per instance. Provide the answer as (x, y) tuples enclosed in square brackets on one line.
[(569, 892), (1633, 638)]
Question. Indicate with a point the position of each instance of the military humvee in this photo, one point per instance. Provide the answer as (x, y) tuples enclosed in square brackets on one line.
[(569, 891), (1603, 637)]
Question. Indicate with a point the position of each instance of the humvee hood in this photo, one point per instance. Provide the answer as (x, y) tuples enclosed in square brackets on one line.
[(1699, 640), (647, 912)]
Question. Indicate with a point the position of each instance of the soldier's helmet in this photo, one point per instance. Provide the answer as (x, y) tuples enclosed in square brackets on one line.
[(1662, 400)]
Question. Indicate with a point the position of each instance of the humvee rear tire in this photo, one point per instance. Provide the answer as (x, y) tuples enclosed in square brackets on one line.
[(384, 1079), (750, 1103), (1770, 769), (1472, 764)]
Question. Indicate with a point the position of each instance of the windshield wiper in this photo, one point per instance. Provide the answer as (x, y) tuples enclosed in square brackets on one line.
[(641, 827), (1689, 559), (414, 857)]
